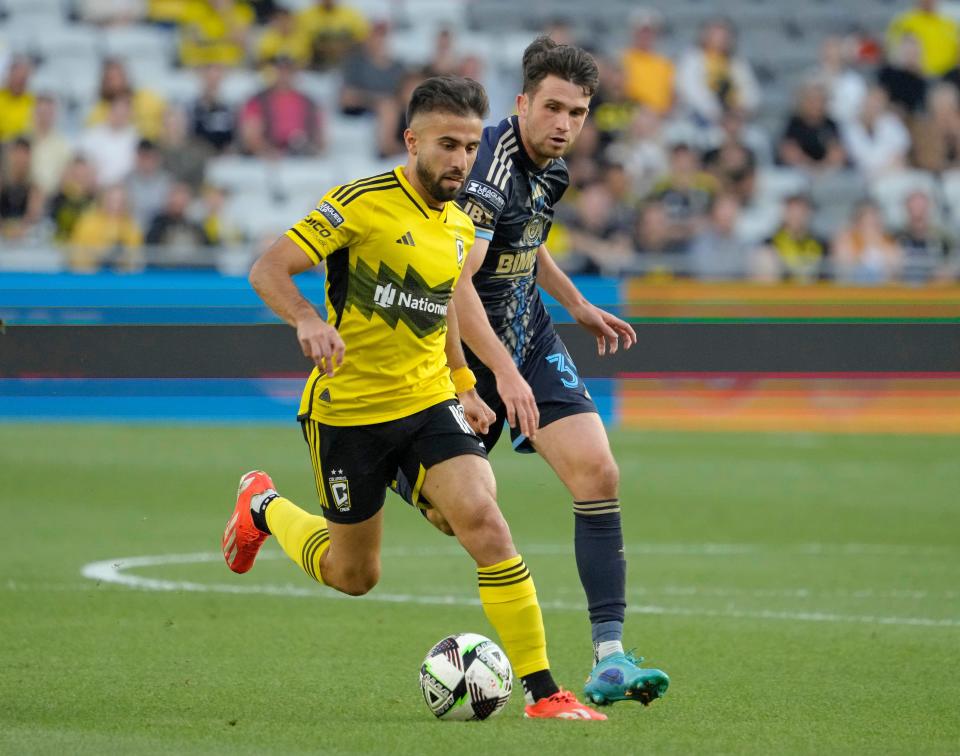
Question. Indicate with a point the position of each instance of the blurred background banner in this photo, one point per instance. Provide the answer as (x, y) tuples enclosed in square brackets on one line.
[(710, 356)]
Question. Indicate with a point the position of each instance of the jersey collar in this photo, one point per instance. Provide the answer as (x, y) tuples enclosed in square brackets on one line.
[(425, 210)]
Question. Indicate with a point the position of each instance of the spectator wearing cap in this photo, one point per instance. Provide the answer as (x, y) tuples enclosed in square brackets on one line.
[(713, 78), (648, 74), (283, 38), (16, 101), (333, 30), (812, 138), (52, 151), (936, 33), (148, 184), (794, 252), (280, 119)]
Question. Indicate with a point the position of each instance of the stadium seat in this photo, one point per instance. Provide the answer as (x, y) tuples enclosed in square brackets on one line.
[(39, 8), (758, 222), (239, 85), (834, 195), (774, 183), (235, 173), (134, 42), (76, 41), (305, 179), (351, 136), (30, 259)]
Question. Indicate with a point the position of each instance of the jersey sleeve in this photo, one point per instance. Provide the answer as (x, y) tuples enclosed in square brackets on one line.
[(486, 191), (329, 227)]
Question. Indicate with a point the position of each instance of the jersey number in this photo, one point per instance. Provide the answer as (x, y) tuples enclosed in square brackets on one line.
[(566, 368)]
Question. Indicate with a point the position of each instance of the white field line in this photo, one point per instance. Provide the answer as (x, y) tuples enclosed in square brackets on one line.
[(114, 571)]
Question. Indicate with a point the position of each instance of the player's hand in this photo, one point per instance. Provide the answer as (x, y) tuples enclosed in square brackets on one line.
[(608, 329), (321, 343), (519, 402), (478, 414)]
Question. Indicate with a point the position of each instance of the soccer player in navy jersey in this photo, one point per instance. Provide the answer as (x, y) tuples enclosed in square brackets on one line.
[(517, 180)]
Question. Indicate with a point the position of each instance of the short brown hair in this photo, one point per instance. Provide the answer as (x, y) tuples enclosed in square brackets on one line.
[(451, 94), (544, 57)]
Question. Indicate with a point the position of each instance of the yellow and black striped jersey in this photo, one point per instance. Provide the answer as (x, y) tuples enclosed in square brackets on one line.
[(392, 263)]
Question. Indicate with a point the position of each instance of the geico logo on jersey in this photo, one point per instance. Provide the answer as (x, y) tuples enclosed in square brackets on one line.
[(517, 262), (387, 294)]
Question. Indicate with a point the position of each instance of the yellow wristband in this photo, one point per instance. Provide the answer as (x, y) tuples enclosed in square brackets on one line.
[(463, 379)]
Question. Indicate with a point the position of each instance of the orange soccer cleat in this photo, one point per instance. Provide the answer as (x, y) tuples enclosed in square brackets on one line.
[(242, 539), (562, 705)]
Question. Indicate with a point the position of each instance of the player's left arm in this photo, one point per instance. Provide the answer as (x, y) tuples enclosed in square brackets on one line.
[(608, 329), (477, 412)]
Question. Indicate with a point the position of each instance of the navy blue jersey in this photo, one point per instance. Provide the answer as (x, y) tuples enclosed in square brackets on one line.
[(511, 203)]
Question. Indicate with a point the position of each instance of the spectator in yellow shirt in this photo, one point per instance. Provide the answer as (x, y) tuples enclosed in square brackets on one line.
[(107, 235), (147, 107), (648, 74), (333, 30), (16, 103), (936, 33), (215, 31), (283, 39)]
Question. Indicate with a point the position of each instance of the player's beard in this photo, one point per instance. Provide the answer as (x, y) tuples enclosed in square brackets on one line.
[(433, 186)]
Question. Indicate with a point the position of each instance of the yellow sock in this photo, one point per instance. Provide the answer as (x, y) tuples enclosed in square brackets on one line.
[(510, 603), (302, 535)]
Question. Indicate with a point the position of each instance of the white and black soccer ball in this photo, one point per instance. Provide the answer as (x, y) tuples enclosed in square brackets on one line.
[(466, 676)]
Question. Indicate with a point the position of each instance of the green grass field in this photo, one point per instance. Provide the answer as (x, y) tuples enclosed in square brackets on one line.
[(802, 591)]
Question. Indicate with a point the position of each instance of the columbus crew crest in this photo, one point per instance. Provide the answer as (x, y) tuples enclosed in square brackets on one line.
[(340, 488), (459, 251)]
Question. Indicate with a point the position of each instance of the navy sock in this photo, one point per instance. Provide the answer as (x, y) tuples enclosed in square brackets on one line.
[(598, 543)]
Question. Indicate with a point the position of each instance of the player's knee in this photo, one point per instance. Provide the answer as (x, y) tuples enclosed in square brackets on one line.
[(488, 524), (602, 477), (357, 582)]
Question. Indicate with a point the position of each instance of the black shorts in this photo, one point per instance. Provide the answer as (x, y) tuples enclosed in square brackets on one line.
[(354, 465), (556, 385)]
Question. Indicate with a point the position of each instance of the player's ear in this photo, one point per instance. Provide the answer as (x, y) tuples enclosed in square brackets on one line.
[(523, 102), (410, 140)]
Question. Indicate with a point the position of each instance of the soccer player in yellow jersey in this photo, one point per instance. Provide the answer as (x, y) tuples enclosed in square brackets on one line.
[(381, 396)]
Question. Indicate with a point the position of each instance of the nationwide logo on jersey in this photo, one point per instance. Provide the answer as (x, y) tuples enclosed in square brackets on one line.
[(340, 488), (423, 308)]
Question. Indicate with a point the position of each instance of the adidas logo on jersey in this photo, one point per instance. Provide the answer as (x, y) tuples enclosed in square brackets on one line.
[(407, 239)]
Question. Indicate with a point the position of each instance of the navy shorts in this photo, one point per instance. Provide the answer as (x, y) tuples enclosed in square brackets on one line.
[(354, 465), (556, 384)]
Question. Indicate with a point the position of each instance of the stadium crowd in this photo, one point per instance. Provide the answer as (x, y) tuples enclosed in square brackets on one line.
[(162, 133)]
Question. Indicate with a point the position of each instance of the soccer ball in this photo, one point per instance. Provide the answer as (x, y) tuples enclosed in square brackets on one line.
[(466, 676)]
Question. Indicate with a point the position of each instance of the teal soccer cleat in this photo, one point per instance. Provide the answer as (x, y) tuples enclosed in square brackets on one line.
[(619, 677)]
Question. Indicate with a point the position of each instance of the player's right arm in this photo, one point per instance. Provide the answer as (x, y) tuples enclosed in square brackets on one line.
[(272, 278), (325, 230), (477, 333)]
